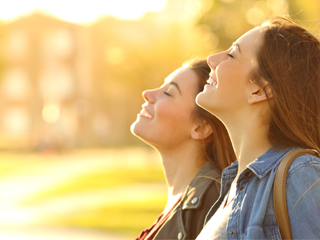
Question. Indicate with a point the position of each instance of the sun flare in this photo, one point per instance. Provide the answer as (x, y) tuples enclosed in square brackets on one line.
[(82, 11)]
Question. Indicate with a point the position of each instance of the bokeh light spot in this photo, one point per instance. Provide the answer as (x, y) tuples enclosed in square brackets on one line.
[(115, 55), (193, 7), (255, 16), (227, 1), (51, 112)]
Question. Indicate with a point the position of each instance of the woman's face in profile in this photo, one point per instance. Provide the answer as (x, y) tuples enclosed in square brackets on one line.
[(165, 119), (228, 86)]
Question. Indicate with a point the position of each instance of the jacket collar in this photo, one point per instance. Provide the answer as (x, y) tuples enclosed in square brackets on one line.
[(203, 179), (263, 164), (268, 161)]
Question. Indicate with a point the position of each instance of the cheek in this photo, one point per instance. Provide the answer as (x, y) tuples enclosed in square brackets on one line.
[(226, 74), (233, 78), (168, 115), (162, 112), (174, 116)]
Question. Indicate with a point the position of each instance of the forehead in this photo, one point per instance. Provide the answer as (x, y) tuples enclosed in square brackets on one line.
[(251, 37), (250, 41), (186, 78), (181, 74), (171, 76)]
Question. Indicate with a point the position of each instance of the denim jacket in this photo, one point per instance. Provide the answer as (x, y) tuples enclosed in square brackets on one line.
[(252, 215)]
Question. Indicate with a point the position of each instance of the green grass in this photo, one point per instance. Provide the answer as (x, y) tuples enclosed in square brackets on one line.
[(125, 217), (129, 219), (14, 164), (99, 180)]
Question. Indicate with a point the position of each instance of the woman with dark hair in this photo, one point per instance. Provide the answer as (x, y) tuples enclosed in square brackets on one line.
[(266, 90), (193, 145)]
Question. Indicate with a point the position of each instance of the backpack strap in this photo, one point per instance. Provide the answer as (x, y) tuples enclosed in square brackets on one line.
[(279, 190)]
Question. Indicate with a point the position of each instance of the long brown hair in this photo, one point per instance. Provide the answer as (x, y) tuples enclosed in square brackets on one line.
[(289, 60), (217, 147)]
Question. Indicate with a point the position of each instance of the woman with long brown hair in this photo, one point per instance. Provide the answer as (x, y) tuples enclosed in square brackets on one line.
[(266, 90), (193, 145)]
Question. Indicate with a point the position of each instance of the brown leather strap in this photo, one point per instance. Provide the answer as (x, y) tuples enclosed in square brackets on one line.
[(279, 190)]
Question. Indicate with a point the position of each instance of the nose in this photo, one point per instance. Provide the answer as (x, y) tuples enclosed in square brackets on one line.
[(214, 60), (149, 96)]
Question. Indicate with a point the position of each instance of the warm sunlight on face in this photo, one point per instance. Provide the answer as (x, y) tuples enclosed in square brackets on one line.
[(82, 11)]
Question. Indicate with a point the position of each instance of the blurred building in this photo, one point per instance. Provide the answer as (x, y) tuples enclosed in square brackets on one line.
[(47, 90), (65, 85)]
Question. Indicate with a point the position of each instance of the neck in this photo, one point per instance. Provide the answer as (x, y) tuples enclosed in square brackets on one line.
[(180, 166), (250, 140)]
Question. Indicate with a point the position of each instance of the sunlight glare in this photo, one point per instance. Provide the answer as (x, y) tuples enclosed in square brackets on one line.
[(82, 11), (51, 112), (15, 7), (115, 55)]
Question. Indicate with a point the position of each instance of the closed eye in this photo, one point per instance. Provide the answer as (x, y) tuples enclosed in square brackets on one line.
[(230, 55), (166, 93)]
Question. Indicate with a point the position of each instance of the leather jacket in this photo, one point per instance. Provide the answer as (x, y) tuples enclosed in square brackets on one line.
[(187, 219)]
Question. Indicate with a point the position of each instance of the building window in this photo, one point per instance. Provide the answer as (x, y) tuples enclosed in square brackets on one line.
[(16, 85), (17, 45)]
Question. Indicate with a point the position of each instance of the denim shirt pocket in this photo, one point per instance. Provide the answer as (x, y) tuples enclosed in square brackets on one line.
[(262, 232)]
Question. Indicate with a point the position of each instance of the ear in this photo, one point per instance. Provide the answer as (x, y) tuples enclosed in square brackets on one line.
[(259, 94), (201, 130)]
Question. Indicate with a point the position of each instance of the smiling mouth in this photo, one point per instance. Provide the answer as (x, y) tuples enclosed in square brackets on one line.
[(212, 81), (146, 114)]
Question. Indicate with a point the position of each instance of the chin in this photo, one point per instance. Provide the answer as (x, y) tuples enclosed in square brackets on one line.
[(203, 102), (138, 130), (134, 127), (200, 100)]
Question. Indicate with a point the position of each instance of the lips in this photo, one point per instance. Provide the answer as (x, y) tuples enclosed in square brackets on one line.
[(212, 80), (145, 113)]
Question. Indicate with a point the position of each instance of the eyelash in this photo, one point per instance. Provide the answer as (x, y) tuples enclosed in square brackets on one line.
[(166, 93), (230, 55)]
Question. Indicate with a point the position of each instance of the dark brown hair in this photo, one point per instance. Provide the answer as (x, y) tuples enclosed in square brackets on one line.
[(289, 60), (217, 147)]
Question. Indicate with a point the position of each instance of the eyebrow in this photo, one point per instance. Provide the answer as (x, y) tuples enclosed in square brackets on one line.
[(237, 45), (176, 85)]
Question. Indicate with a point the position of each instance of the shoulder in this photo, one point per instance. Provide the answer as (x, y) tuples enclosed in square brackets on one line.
[(303, 192), (188, 218), (209, 169), (304, 166), (205, 184), (303, 181), (206, 176)]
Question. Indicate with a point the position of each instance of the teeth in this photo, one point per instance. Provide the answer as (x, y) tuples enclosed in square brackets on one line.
[(145, 113), (211, 80), (148, 115)]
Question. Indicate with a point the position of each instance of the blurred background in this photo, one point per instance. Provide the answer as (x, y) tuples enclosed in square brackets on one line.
[(71, 78)]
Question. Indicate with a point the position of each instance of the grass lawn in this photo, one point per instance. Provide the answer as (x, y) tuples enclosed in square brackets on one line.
[(86, 176), (128, 219)]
